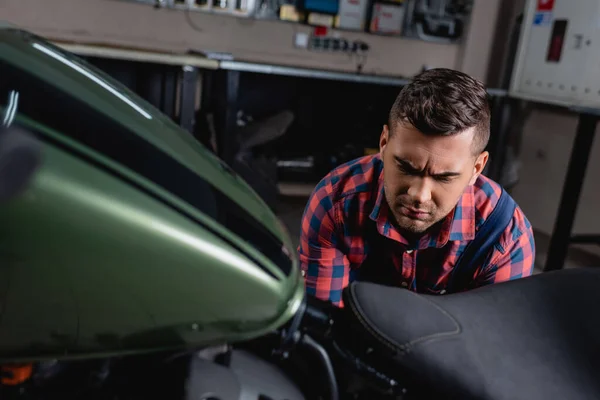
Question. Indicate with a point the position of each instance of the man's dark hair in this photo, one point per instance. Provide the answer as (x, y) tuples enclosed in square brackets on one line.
[(444, 102)]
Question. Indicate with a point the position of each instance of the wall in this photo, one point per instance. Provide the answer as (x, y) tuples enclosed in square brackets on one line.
[(546, 149), (141, 26), (474, 56), (506, 24)]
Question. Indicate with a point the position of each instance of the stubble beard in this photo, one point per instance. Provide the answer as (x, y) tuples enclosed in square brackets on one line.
[(402, 222)]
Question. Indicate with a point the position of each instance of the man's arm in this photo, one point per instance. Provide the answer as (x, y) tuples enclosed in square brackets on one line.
[(324, 265), (517, 261)]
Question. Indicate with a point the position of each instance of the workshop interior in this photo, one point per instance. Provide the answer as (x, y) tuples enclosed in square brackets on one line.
[(142, 139)]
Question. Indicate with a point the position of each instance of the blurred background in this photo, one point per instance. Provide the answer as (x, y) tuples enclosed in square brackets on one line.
[(285, 90)]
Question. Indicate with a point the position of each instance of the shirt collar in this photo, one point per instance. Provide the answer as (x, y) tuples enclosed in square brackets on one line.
[(459, 225)]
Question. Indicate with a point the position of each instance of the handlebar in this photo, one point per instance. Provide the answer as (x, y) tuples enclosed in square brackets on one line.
[(20, 157), (319, 317), (320, 328)]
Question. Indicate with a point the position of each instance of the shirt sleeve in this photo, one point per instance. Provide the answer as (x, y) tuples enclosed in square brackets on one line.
[(325, 267), (517, 261)]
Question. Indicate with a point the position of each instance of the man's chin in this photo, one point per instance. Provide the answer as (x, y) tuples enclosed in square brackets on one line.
[(413, 226)]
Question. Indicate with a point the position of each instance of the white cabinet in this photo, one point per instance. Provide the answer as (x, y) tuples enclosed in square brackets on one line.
[(558, 59)]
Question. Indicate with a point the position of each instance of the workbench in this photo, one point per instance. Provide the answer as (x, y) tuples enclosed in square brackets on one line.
[(140, 55)]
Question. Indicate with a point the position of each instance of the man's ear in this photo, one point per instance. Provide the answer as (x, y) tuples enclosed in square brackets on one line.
[(480, 163), (383, 139)]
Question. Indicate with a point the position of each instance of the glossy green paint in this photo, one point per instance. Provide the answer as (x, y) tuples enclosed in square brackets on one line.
[(111, 98), (91, 266)]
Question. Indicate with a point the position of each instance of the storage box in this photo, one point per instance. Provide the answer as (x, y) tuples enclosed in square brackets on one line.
[(288, 12), (353, 14), (387, 18)]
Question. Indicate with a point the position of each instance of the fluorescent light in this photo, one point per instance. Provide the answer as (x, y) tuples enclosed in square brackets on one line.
[(11, 110), (81, 70)]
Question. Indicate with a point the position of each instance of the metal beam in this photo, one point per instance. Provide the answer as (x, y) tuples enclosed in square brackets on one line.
[(567, 210), (187, 103)]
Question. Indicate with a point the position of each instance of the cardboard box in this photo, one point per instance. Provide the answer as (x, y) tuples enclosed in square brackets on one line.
[(353, 14), (288, 12), (387, 18)]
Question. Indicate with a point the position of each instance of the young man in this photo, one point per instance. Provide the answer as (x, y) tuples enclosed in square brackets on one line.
[(404, 216)]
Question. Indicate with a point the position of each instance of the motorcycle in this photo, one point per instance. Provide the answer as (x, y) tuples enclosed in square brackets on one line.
[(134, 264)]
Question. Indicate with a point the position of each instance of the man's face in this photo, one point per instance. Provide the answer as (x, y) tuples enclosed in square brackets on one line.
[(424, 176)]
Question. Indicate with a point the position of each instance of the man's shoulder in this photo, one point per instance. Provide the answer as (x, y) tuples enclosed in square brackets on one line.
[(357, 176), (486, 195)]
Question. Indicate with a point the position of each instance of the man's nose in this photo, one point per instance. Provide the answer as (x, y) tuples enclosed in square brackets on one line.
[(419, 191)]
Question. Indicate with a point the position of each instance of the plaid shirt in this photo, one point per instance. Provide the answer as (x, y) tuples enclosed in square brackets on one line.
[(338, 231)]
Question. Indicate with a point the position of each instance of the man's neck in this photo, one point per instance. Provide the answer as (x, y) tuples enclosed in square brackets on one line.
[(413, 238)]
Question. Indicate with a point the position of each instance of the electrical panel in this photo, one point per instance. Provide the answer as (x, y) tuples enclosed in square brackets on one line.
[(558, 57)]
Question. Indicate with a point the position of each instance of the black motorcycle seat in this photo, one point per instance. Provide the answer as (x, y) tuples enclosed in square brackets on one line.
[(532, 338)]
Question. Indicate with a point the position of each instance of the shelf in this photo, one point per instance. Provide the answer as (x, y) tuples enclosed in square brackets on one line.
[(296, 189)]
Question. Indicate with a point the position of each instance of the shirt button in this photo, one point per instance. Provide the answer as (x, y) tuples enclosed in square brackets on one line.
[(303, 273), (404, 284)]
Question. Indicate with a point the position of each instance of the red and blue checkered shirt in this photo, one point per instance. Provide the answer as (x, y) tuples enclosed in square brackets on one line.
[(347, 213)]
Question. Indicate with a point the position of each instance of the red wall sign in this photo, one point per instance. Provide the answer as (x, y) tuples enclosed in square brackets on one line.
[(545, 5)]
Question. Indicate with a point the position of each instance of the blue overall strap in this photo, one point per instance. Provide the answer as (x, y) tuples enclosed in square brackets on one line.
[(479, 249)]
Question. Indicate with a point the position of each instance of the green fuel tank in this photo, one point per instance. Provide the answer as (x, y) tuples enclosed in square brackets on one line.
[(131, 236)]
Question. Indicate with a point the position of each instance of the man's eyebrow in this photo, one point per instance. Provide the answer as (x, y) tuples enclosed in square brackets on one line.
[(448, 174), (407, 164)]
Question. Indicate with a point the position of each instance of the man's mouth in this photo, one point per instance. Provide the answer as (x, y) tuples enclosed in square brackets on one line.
[(414, 213)]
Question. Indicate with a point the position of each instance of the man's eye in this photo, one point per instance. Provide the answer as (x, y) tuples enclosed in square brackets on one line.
[(408, 170), (443, 179)]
